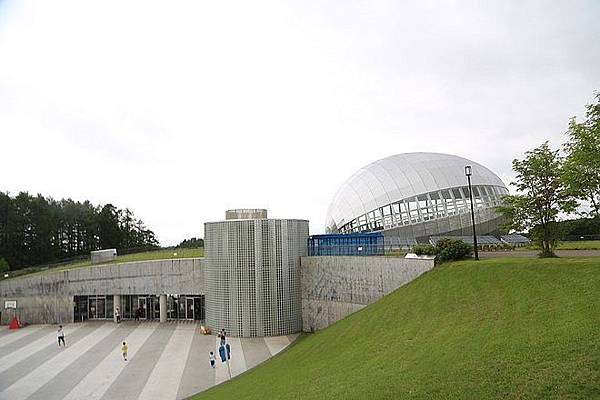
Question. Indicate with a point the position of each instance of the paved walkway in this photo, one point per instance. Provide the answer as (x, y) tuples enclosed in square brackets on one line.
[(166, 361)]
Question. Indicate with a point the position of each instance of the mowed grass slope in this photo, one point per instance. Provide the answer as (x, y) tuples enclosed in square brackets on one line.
[(572, 245), (162, 254), (500, 328)]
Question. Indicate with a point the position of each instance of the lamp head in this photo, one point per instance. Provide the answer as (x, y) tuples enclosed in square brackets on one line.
[(468, 170)]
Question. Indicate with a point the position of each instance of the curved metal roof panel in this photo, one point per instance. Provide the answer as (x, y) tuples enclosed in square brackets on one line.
[(398, 177)]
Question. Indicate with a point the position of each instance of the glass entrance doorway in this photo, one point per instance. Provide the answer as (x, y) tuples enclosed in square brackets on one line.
[(142, 307), (199, 308), (185, 307), (148, 307), (92, 307)]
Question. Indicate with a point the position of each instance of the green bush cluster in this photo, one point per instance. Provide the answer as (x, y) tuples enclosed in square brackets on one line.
[(445, 250), (452, 249), (424, 250), (4, 267)]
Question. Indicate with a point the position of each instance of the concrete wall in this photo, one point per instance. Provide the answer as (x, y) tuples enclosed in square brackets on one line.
[(48, 297), (334, 287), (331, 287)]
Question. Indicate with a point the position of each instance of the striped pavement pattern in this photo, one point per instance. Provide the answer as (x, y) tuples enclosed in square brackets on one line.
[(165, 361)]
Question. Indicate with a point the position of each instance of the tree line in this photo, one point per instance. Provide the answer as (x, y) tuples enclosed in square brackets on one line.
[(552, 183), (191, 243), (37, 229)]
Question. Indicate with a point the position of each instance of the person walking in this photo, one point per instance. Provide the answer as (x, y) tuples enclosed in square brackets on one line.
[(212, 359), (117, 315), (222, 336), (124, 350), (61, 336), (137, 314)]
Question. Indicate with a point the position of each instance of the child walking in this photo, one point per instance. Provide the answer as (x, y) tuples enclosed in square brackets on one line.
[(212, 359), (61, 336), (124, 350)]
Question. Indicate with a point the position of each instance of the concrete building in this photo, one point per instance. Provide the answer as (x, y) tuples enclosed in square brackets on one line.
[(246, 213), (145, 290), (413, 196), (309, 296), (256, 278), (103, 256)]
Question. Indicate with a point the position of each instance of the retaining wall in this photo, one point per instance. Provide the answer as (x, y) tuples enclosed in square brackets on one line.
[(334, 287)]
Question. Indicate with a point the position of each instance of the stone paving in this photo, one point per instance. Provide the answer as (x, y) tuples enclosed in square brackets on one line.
[(166, 361)]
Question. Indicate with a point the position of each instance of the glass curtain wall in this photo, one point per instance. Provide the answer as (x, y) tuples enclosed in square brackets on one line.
[(142, 307), (425, 207), (92, 307), (185, 307)]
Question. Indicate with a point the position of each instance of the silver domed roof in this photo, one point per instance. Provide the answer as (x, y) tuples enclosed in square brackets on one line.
[(398, 177)]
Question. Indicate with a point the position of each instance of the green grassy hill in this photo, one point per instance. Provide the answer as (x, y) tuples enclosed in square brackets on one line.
[(502, 328), (161, 254)]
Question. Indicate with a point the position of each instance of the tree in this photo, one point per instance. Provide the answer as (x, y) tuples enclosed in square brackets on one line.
[(541, 197), (191, 243), (108, 227), (36, 230), (581, 170)]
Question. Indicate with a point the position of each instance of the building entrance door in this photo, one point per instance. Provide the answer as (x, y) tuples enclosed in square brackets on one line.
[(101, 308), (92, 308), (142, 307), (199, 308), (189, 308), (149, 308), (97, 307)]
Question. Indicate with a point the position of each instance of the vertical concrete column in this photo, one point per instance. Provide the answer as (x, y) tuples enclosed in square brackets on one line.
[(117, 303), (163, 307)]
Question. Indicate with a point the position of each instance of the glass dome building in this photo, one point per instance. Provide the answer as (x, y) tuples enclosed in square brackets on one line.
[(413, 196)]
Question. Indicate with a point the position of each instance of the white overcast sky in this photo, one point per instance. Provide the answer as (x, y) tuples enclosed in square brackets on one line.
[(180, 110)]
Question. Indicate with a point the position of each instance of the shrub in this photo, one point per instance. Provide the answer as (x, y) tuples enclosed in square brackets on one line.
[(445, 250), (452, 249), (424, 250), (4, 267)]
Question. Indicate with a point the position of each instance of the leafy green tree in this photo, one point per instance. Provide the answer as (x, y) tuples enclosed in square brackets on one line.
[(541, 197), (109, 228), (581, 170), (35, 230)]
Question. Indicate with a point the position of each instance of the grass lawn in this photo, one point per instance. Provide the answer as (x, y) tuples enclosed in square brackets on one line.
[(580, 245), (576, 245), (162, 254), (497, 328), (145, 256)]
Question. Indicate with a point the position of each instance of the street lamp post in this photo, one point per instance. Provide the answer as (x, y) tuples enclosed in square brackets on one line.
[(468, 173)]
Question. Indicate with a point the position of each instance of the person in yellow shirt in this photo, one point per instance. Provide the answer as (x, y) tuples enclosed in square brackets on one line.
[(124, 350)]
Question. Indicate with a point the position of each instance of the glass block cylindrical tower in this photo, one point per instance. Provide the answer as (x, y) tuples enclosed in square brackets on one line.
[(253, 275)]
